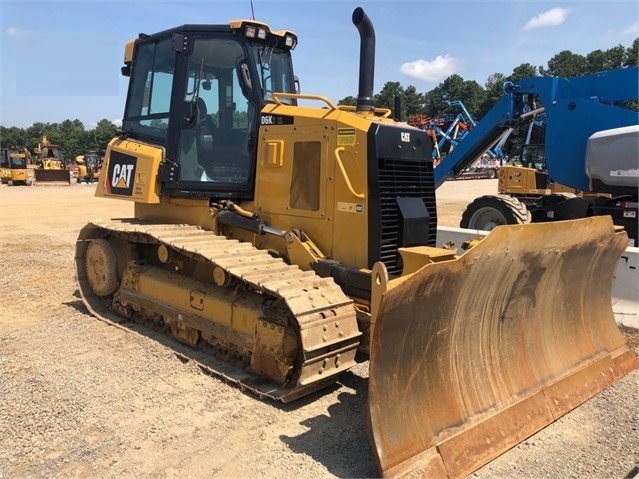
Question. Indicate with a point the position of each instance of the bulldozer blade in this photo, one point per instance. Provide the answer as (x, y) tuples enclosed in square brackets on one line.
[(471, 356), (52, 176)]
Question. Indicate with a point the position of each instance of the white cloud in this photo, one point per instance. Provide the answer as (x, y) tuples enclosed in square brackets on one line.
[(439, 69), (632, 29), (550, 18), (12, 31), (117, 122)]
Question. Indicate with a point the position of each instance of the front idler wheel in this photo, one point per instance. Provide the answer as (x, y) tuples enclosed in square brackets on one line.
[(101, 267)]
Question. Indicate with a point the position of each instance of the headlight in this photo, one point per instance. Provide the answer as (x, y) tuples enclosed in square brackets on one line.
[(290, 41)]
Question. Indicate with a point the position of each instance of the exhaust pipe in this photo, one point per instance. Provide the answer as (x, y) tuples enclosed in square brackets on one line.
[(365, 101)]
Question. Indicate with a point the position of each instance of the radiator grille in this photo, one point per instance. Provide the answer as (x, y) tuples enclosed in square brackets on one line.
[(402, 178)]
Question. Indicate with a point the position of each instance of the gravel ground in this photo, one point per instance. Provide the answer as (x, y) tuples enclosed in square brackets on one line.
[(80, 398)]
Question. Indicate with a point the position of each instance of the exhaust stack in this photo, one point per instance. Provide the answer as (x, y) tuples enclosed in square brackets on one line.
[(365, 101)]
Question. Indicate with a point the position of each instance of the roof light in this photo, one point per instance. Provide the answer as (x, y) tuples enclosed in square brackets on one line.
[(290, 41), (250, 31), (261, 34)]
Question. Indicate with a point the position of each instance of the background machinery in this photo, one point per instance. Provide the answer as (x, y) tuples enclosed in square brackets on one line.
[(286, 241), (448, 130), (587, 165), (88, 167), (5, 171), (15, 167), (51, 164)]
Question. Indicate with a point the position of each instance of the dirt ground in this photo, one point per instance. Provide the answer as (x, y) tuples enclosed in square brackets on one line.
[(80, 398)]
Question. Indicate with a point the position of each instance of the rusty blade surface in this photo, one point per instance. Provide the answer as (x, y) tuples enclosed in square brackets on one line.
[(44, 176), (471, 356)]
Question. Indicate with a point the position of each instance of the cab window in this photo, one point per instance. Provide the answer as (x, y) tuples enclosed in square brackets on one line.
[(147, 110), (213, 144)]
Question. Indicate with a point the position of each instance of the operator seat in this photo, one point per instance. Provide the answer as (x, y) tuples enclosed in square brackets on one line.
[(205, 131)]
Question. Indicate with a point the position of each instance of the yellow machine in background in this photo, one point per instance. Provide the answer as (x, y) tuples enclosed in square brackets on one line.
[(525, 193), (5, 171), (289, 241), (51, 165), (15, 167), (529, 177), (88, 167), (585, 165)]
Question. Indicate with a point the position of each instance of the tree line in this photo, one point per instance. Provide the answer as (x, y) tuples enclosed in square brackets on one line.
[(74, 139), (70, 135), (480, 99)]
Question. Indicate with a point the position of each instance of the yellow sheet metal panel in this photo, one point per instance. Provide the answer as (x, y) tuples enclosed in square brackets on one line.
[(324, 195), (130, 171)]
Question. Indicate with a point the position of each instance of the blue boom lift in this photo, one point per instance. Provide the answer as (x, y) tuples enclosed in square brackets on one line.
[(590, 148)]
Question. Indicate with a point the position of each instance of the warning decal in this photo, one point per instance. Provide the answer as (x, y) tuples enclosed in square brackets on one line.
[(345, 136)]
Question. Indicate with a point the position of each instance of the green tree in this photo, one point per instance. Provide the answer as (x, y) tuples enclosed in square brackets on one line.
[(71, 137), (34, 134), (469, 92), (349, 100), (525, 70), (450, 88), (610, 59), (615, 57), (386, 97), (104, 132), (493, 91), (596, 61), (565, 64), (631, 56), (412, 101), (12, 136)]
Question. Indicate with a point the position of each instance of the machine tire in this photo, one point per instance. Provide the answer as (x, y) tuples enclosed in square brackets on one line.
[(486, 212), (492, 174), (101, 267)]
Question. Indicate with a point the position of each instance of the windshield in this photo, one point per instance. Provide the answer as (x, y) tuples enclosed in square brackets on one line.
[(91, 160), (533, 156), (275, 71), (18, 161)]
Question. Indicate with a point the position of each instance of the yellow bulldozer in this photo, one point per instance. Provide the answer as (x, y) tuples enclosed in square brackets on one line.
[(51, 164), (285, 242)]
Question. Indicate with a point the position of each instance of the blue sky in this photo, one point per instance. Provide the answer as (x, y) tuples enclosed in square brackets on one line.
[(61, 59)]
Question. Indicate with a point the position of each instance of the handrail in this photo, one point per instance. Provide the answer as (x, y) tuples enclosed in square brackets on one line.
[(346, 179), (301, 96), (383, 112)]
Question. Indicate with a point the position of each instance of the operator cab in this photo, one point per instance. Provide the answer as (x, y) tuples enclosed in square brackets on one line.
[(533, 156), (92, 160), (17, 161), (197, 90), (4, 158)]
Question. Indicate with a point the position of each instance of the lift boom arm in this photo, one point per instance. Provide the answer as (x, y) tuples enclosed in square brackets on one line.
[(575, 108)]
